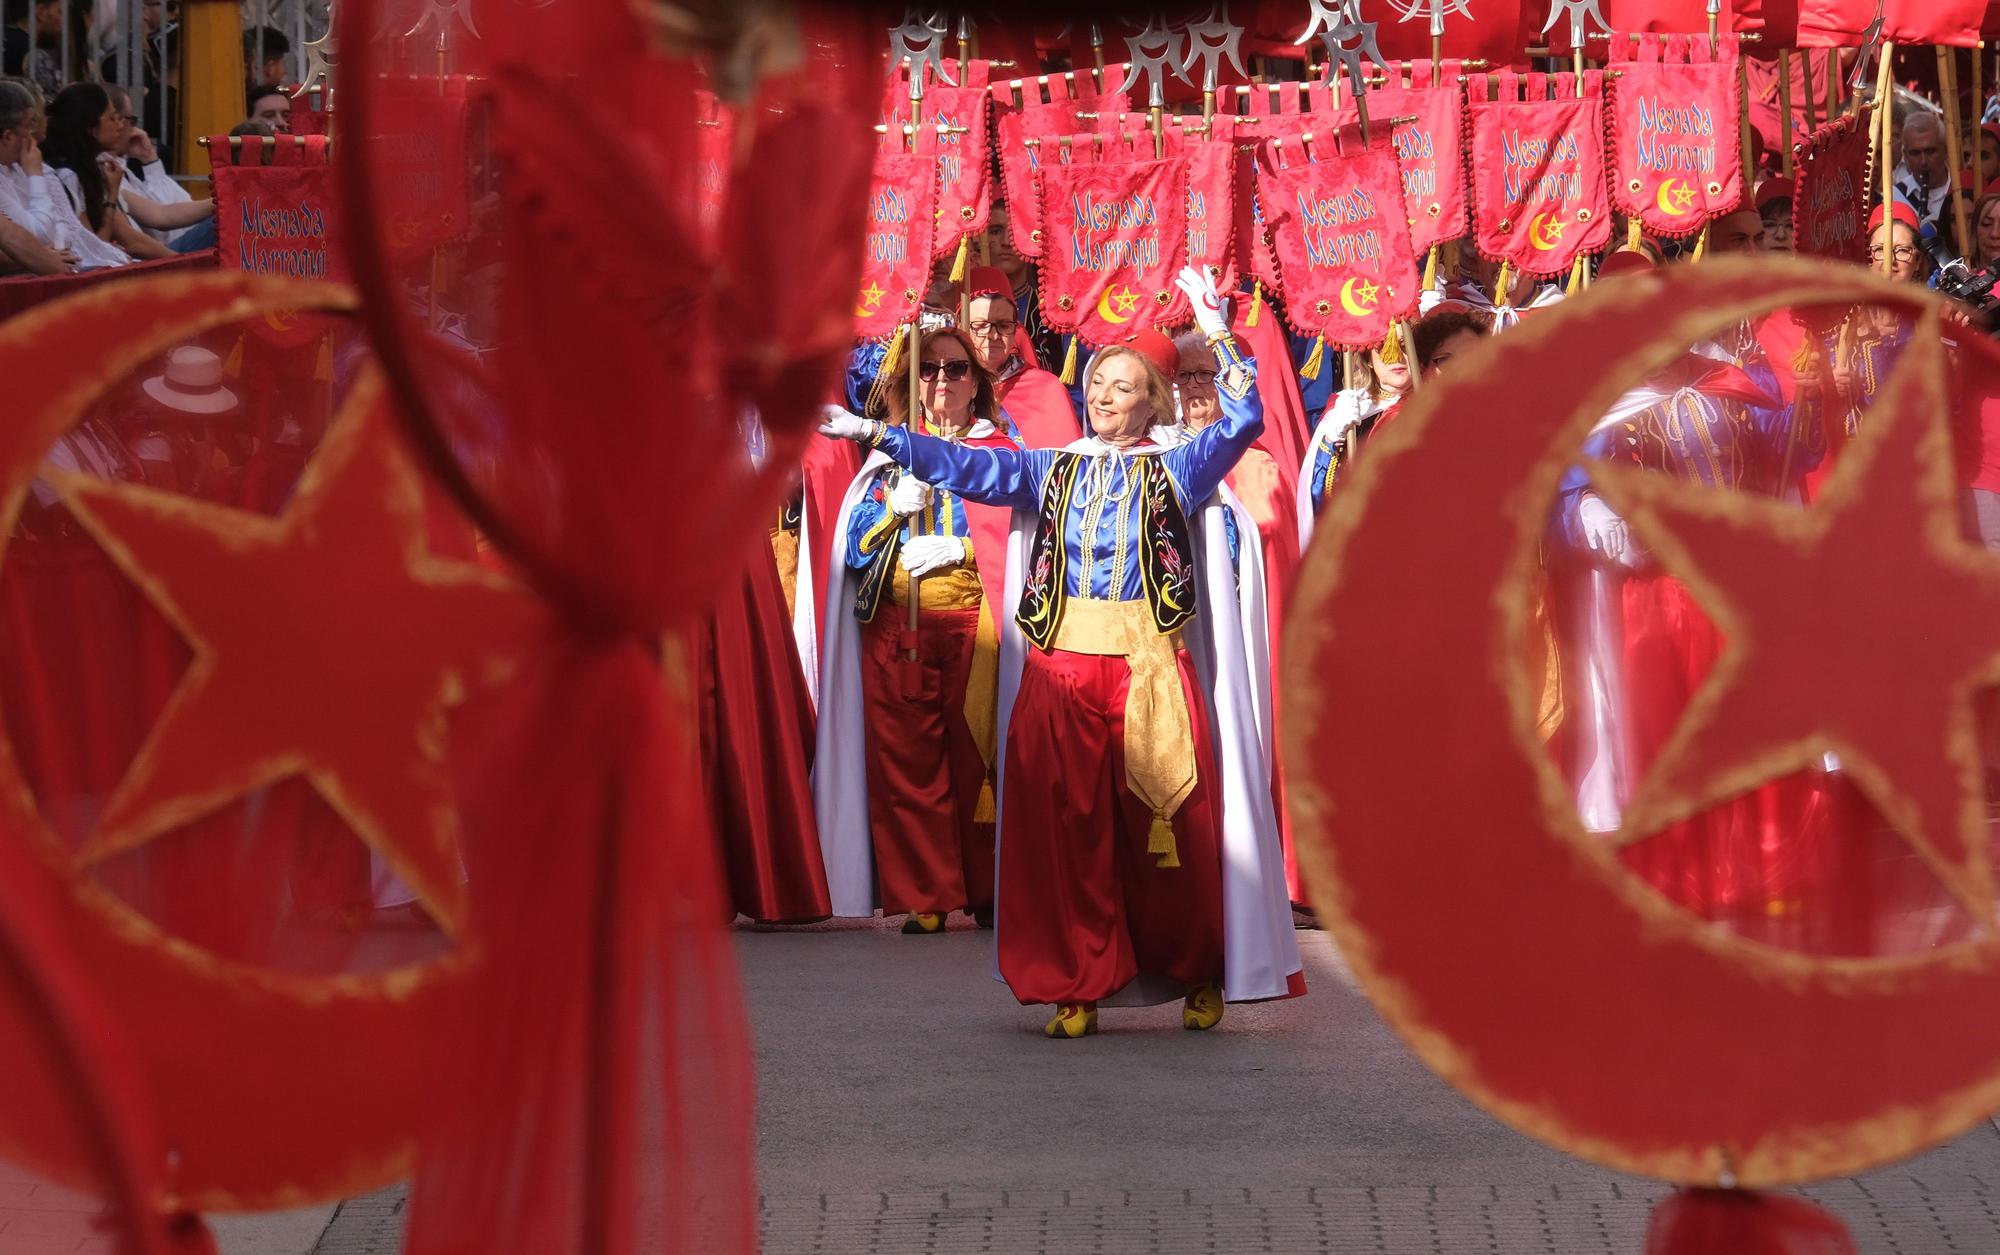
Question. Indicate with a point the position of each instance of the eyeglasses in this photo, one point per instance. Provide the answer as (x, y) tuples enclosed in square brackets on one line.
[(1904, 252), (1004, 330), (1202, 377), (954, 371)]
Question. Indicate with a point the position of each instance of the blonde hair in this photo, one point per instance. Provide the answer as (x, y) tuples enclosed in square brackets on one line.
[(1159, 389)]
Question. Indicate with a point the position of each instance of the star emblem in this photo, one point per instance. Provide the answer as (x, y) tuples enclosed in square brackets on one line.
[(1126, 300), (1367, 292), (1683, 198), (1821, 654), (872, 295), (1553, 228), (327, 643)]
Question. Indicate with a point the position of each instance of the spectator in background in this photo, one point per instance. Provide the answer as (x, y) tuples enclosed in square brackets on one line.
[(28, 222), (1774, 205), (1923, 177), (270, 105), (266, 53), (1985, 250), (84, 129), (33, 43), (152, 197), (159, 65)]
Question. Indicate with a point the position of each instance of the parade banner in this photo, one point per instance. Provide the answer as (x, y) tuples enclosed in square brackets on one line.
[(1276, 111), (1538, 186), (1211, 206), (1347, 269), (1676, 150), (1832, 193), (954, 120), (1429, 135), (419, 155), (1022, 129), (715, 134), (1116, 227), (896, 261), (278, 220), (1845, 23)]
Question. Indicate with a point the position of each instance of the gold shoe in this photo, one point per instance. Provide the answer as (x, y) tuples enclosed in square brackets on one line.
[(1203, 1008), (924, 922), (1073, 1019)]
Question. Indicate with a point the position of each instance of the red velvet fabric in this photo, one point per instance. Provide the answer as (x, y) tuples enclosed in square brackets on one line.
[(1083, 907), (924, 769), (24, 292), (756, 749), (1268, 489), (1038, 406)]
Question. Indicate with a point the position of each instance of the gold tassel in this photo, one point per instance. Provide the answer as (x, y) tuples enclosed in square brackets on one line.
[(1576, 275), (323, 364), (1503, 283), (958, 262), (983, 812), (1068, 375), (233, 367), (893, 359), (1700, 245), (1256, 303), (1315, 360), (1633, 235), (1431, 268), (1160, 841), (1392, 348)]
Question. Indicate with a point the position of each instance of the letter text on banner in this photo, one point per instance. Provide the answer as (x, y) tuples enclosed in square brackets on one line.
[(1281, 111), (1345, 262), (420, 159), (1538, 186), (896, 257), (1676, 151), (1211, 222), (1042, 121), (280, 220), (1116, 237), (965, 190), (1430, 149), (1828, 207)]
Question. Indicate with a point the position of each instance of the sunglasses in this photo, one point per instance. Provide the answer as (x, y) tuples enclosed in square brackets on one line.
[(955, 371)]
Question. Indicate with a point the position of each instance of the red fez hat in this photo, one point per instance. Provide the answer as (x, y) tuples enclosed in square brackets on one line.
[(1901, 212), (1624, 262), (1775, 189), (988, 281), (1155, 348)]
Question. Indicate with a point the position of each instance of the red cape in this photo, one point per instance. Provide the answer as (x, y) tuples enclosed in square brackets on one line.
[(1038, 406), (829, 467), (1268, 489), (1287, 429)]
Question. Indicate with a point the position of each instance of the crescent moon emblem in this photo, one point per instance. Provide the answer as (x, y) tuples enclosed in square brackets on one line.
[(1121, 295), (282, 319), (1545, 231), (1666, 199), (1350, 303), (1514, 1014)]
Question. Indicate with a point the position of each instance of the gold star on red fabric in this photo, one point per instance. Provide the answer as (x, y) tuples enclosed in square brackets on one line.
[(1367, 292), (871, 296), (1126, 300), (1862, 625), (1683, 198), (327, 642)]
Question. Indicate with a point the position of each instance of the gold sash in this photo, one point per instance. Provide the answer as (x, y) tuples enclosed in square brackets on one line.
[(1159, 734)]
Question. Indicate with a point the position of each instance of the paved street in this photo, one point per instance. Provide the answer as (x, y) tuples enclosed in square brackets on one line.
[(908, 1105)]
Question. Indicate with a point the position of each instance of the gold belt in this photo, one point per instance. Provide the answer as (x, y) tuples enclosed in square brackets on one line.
[(1159, 735)]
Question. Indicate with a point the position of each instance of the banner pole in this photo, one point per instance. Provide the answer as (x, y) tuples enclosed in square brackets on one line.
[(1947, 61), (1805, 71), (1885, 113), (1785, 111), (912, 651)]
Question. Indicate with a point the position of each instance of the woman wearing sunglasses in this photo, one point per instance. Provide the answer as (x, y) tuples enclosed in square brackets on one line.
[(903, 777), (1138, 855)]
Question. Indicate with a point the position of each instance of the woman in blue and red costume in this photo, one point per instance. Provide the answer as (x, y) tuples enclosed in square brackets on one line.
[(903, 772), (1139, 858), (1637, 645)]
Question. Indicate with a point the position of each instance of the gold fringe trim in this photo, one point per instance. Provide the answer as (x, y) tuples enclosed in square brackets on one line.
[(958, 262), (1392, 348), (1700, 245), (1256, 303), (1160, 841), (1633, 235), (1068, 375), (984, 812), (1502, 283), (1576, 272), (1315, 360), (1431, 268)]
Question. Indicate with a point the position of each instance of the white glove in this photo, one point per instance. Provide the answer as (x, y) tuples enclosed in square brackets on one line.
[(841, 425), (1200, 288), (923, 554), (909, 496), (1602, 529)]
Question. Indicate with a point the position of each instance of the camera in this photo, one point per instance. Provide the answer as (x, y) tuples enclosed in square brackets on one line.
[(1955, 277)]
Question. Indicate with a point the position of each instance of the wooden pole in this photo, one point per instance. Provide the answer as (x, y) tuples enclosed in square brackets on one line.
[(1885, 113), (1743, 122), (1785, 110), (1947, 61), (912, 652), (1805, 70)]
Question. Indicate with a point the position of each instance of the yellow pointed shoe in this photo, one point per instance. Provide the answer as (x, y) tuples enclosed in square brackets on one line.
[(924, 922), (1203, 1008), (1073, 1019)]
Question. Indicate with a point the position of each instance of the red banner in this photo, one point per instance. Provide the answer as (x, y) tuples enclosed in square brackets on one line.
[(1430, 145), (896, 263), (1832, 192), (1116, 228), (955, 131), (1211, 206), (1843, 23), (1335, 207), (1022, 130), (1676, 152), (278, 220), (420, 159), (714, 137), (1276, 111), (1538, 187)]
